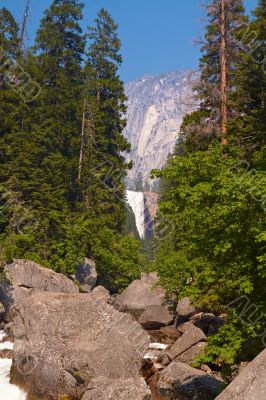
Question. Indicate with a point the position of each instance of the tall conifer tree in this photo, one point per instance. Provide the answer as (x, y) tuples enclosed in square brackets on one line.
[(248, 98), (221, 50), (106, 99)]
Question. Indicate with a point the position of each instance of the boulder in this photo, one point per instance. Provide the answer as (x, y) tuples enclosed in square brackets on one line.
[(250, 384), (186, 327), (181, 382), (154, 389), (170, 332), (100, 293), (86, 275), (191, 337), (63, 341), (23, 278), (155, 317), (119, 389), (203, 321), (141, 294), (184, 310), (195, 351), (166, 334)]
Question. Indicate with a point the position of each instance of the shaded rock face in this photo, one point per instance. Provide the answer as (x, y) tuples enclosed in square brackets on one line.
[(250, 384), (155, 317), (87, 275), (63, 341), (24, 278), (141, 294), (150, 212), (156, 107), (182, 382), (165, 335), (127, 389), (195, 351), (184, 310), (208, 322)]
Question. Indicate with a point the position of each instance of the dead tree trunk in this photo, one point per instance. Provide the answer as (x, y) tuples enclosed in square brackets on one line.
[(22, 33), (224, 75), (82, 140)]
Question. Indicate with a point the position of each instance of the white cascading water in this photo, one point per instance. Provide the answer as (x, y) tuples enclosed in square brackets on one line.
[(136, 202), (7, 390)]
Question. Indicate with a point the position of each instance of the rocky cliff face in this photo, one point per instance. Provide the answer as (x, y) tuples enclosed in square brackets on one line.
[(156, 107)]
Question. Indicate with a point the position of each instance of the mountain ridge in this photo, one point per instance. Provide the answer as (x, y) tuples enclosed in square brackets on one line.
[(156, 107)]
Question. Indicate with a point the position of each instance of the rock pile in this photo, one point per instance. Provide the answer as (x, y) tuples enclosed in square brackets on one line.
[(180, 336), (91, 345)]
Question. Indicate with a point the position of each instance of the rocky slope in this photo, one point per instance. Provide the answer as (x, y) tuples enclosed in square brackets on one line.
[(88, 346), (156, 107)]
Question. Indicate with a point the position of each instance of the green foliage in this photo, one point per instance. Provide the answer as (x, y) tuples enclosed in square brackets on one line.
[(235, 342), (248, 126), (215, 195), (216, 252), (218, 223), (57, 207)]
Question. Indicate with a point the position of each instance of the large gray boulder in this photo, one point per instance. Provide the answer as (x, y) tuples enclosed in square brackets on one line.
[(119, 389), (24, 278), (141, 294), (250, 384), (191, 336), (86, 275), (63, 341), (181, 382), (155, 317)]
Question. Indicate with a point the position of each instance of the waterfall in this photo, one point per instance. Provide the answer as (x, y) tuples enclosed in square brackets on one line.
[(136, 202), (7, 390)]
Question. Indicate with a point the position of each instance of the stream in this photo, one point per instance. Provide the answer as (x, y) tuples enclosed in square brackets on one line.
[(7, 390)]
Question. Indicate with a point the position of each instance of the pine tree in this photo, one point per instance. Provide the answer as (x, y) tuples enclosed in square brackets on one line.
[(248, 98), (41, 165), (10, 116), (213, 199), (9, 31), (104, 176), (221, 52)]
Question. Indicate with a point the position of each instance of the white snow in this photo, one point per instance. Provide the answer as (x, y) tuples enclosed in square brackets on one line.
[(7, 390), (136, 202)]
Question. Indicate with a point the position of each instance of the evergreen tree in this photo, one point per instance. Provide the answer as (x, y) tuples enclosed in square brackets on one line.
[(215, 200), (248, 98), (11, 119), (221, 54), (62, 169), (9, 31), (42, 152), (105, 173)]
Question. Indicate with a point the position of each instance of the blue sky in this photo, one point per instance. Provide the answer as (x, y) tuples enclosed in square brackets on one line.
[(157, 35)]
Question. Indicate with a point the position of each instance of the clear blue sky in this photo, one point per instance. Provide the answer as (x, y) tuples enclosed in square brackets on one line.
[(157, 35)]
